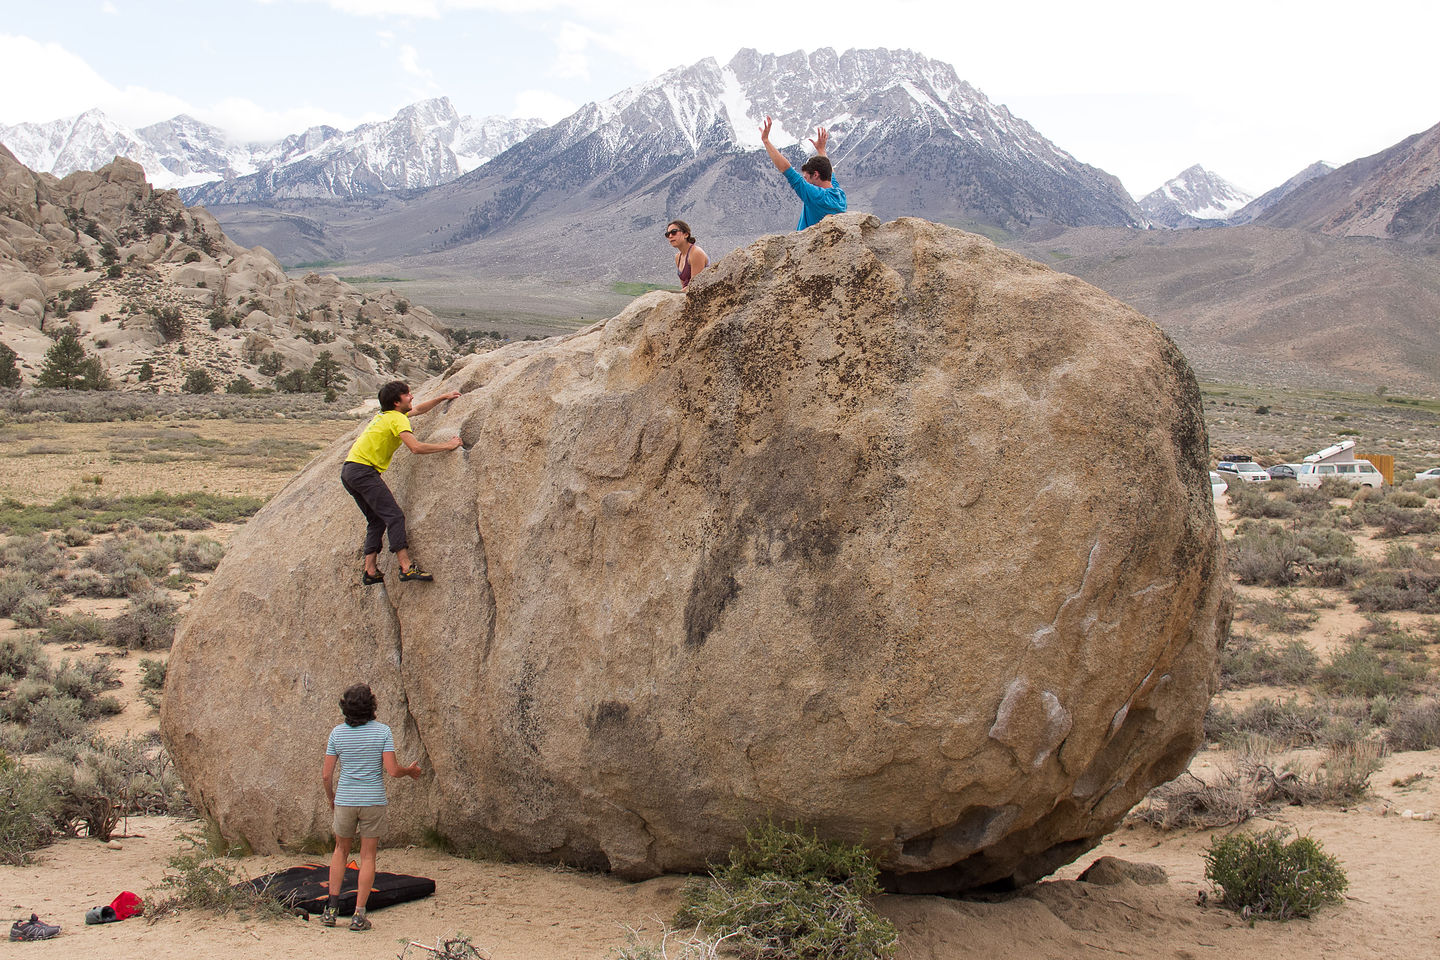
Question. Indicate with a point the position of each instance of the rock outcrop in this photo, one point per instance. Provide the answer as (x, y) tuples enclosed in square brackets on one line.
[(103, 255), (879, 528)]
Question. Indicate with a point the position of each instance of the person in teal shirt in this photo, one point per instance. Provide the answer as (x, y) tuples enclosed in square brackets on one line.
[(819, 192)]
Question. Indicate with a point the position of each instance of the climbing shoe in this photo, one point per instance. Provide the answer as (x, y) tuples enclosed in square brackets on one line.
[(368, 580), (359, 922), (327, 916), (415, 573), (33, 929)]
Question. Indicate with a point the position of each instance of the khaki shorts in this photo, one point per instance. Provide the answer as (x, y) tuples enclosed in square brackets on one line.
[(358, 821)]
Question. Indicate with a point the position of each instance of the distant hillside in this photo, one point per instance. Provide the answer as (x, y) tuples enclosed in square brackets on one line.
[(1270, 198), (1264, 305), (1394, 194), (158, 294)]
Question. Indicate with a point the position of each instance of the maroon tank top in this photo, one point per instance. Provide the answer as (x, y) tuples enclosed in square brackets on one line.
[(684, 272)]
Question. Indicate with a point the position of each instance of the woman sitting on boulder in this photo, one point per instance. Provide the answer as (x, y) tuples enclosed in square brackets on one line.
[(364, 747), (689, 258)]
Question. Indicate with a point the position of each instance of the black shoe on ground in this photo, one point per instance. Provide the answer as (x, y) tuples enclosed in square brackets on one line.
[(33, 929), (359, 922), (415, 573), (368, 580)]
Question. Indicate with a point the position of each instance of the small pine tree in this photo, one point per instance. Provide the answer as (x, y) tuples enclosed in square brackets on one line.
[(9, 372), (147, 372), (199, 381), (68, 367), (325, 372)]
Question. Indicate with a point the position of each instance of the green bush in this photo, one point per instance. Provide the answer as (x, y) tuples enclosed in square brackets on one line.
[(147, 624), (1246, 663), (196, 880), (19, 657), (1358, 671), (199, 381), (78, 628), (200, 554), (28, 808), (789, 894), (1264, 877), (1252, 501)]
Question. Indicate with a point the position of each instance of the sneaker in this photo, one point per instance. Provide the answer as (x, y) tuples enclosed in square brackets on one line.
[(368, 580), (33, 929), (415, 573), (327, 916), (357, 922)]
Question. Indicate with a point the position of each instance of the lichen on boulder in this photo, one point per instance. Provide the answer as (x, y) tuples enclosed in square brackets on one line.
[(879, 529)]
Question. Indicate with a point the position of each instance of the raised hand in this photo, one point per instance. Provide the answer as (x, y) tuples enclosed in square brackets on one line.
[(765, 131), (822, 137)]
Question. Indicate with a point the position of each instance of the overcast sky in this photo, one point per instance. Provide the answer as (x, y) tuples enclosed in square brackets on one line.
[(1253, 91)]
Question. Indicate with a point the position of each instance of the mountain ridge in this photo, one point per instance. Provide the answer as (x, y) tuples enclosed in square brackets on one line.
[(425, 143)]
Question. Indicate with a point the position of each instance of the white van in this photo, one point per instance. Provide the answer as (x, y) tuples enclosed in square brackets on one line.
[(1360, 472)]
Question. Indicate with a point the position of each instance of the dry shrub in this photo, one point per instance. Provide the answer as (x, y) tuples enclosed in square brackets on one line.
[(1246, 663), (1414, 725), (1253, 501), (200, 554), (1359, 671), (1252, 786), (147, 624)]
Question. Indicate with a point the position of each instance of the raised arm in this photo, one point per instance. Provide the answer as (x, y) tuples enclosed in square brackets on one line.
[(776, 157), (426, 405), (419, 446)]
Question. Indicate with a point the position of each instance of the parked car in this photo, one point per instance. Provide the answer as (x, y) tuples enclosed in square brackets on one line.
[(1243, 470), (1360, 472), (1432, 474), (1283, 471), (1217, 485)]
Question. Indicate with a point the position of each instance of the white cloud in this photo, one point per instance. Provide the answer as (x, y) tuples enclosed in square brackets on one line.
[(410, 63), (246, 121), (110, 8), (543, 104), (71, 86)]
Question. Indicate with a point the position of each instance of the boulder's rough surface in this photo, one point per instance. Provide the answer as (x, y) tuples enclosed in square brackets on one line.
[(879, 528)]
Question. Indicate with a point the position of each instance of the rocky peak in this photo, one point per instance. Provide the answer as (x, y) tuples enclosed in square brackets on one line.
[(1193, 197)]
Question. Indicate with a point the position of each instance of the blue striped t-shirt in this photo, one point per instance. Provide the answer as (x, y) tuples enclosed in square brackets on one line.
[(362, 770)]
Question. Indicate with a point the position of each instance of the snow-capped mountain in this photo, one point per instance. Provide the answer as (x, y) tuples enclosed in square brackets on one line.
[(907, 136), (425, 144), (91, 140), (1194, 197)]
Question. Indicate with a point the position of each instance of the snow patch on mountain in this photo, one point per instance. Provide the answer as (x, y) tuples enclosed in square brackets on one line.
[(1195, 194), (424, 144)]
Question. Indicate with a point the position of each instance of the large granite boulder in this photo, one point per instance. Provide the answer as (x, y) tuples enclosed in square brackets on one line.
[(879, 528)]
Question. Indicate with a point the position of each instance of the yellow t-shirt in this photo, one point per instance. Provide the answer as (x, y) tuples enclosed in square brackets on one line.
[(378, 443)]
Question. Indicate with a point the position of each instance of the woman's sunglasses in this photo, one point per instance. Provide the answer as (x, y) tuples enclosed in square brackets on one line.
[(671, 233)]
